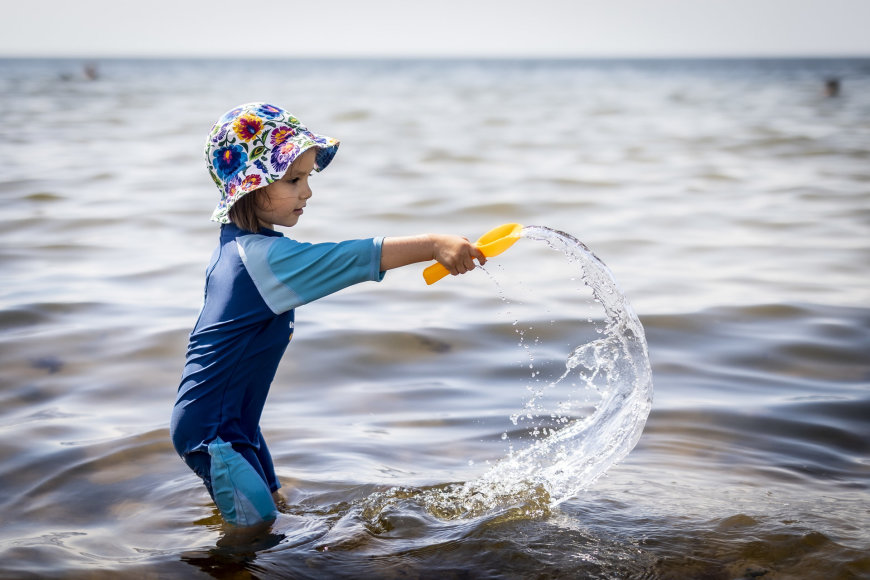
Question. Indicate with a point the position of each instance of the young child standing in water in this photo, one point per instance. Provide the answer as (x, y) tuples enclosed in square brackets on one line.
[(261, 157)]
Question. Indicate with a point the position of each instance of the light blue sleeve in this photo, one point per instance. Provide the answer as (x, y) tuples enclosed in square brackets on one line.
[(289, 273)]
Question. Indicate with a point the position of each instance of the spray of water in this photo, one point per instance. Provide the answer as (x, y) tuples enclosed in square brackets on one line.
[(566, 450)]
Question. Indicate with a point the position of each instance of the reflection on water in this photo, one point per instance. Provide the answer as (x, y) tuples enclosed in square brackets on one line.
[(730, 199)]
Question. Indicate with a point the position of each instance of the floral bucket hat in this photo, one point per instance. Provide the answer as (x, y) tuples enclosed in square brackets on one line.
[(253, 145)]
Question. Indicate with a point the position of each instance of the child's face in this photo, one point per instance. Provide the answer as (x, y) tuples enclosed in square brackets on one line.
[(284, 199)]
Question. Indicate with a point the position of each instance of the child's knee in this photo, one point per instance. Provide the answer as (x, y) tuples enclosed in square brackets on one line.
[(239, 491)]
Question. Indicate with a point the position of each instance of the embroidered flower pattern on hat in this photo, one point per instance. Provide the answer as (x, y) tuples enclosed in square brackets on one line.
[(281, 134), (282, 156), (253, 145), (247, 126), (229, 160), (269, 111)]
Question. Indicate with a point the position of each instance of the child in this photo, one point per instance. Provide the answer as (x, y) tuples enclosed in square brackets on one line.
[(261, 157)]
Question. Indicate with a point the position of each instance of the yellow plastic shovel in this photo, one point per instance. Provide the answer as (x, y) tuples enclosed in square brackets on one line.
[(492, 243)]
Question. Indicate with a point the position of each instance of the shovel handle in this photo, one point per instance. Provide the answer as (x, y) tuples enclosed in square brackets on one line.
[(434, 273)]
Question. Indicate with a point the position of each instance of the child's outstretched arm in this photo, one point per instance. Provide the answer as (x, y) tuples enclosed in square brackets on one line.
[(455, 253)]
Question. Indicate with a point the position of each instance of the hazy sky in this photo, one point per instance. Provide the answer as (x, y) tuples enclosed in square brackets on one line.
[(84, 28)]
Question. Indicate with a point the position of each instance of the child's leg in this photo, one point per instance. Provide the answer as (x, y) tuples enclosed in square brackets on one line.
[(230, 476), (200, 463), (264, 460), (239, 490), (239, 479)]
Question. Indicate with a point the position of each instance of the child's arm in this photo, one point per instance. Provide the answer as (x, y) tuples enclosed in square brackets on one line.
[(455, 253)]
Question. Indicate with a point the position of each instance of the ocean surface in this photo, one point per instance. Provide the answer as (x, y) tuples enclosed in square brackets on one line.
[(416, 429)]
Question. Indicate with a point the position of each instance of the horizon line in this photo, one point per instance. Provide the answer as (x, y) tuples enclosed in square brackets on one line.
[(411, 57)]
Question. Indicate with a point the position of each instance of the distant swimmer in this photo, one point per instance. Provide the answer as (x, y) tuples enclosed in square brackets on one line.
[(90, 71), (832, 87)]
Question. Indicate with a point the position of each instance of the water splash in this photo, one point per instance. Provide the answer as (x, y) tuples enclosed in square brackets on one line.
[(604, 398)]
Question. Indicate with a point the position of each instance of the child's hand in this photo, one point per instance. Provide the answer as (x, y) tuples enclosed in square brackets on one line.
[(456, 253)]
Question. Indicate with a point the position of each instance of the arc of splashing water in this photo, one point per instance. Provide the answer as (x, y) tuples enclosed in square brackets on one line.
[(613, 429), (571, 458), (567, 460)]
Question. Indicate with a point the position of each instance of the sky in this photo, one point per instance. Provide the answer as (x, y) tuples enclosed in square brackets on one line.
[(428, 28)]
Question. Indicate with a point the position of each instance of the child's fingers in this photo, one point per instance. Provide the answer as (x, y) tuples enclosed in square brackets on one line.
[(459, 265), (465, 263), (478, 254)]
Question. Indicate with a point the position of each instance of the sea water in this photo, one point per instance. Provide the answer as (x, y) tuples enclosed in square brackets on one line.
[(728, 198)]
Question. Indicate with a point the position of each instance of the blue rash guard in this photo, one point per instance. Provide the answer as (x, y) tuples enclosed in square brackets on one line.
[(253, 283)]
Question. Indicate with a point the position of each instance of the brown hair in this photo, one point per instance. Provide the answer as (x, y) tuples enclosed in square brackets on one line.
[(243, 213)]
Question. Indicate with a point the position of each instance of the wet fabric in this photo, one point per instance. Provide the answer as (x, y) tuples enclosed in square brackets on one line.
[(240, 493)]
